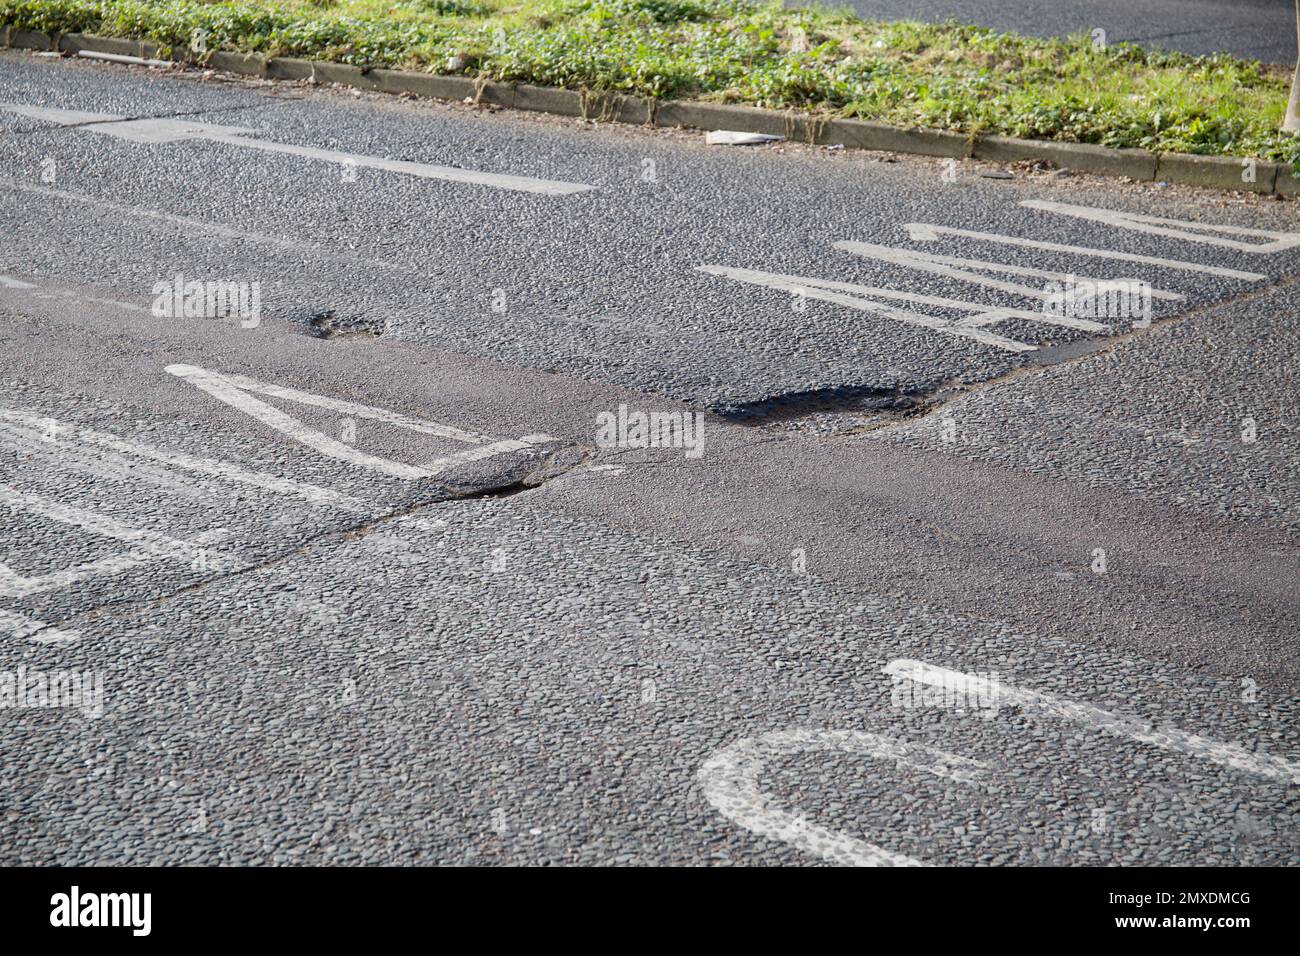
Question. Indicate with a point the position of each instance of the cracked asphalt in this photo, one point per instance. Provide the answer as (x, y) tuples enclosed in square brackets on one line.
[(364, 583)]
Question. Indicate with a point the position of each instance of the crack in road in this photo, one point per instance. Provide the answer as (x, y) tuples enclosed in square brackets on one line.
[(552, 466)]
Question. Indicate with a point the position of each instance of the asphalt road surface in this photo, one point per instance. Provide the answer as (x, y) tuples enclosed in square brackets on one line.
[(377, 569), (1251, 29)]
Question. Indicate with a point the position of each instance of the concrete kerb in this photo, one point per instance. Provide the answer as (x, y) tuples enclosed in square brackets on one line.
[(1080, 157), (1221, 172)]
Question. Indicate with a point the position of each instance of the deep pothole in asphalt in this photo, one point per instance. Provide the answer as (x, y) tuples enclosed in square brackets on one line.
[(331, 325)]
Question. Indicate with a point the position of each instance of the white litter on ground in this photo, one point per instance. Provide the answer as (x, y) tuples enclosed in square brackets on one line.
[(729, 137)]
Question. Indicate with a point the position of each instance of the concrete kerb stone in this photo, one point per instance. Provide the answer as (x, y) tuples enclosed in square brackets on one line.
[(1222, 172)]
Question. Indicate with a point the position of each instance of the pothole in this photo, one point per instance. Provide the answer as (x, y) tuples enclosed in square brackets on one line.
[(331, 325), (860, 401)]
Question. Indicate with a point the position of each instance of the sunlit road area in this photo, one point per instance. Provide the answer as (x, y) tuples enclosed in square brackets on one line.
[(546, 491)]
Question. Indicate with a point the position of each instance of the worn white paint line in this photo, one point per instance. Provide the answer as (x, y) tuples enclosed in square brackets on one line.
[(76, 296), (236, 391), (59, 117), (809, 288), (14, 585), (730, 777), (968, 270), (128, 306), (225, 390), (1174, 228), (943, 302), (101, 464), (925, 232), (168, 130), (10, 283), (1120, 725), (25, 628), (151, 542), (186, 224), (523, 184), (486, 451), (63, 431), (341, 406)]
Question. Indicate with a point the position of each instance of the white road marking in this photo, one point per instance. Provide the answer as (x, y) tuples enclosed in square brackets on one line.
[(14, 585), (867, 298), (235, 390), (187, 224), (1120, 725), (984, 311), (61, 117), (730, 782), (926, 232), (968, 270), (817, 289), (1173, 228), (144, 540), (225, 390), (34, 444), (50, 293), (117, 449), (486, 451), (730, 775), (178, 130), (23, 628)]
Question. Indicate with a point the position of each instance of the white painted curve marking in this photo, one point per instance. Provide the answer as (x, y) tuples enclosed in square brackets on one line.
[(927, 232), (175, 130), (1096, 718), (236, 391), (1173, 228), (730, 775), (729, 779)]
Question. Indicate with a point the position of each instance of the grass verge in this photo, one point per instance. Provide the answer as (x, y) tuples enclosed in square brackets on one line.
[(950, 77)]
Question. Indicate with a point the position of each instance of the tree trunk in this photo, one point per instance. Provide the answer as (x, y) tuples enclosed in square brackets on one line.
[(1292, 122)]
